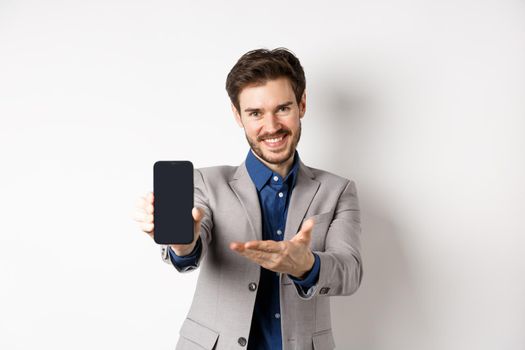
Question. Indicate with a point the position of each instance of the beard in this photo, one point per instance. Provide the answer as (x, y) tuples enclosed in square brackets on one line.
[(287, 153)]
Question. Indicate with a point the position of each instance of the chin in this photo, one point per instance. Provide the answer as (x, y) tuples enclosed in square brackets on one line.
[(277, 157)]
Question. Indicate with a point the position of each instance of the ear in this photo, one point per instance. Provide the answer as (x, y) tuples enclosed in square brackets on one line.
[(302, 105), (237, 116)]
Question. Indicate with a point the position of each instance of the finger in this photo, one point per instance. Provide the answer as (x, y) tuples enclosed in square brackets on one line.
[(258, 256), (141, 203), (140, 215), (147, 227), (197, 214), (265, 246), (149, 208), (237, 246), (150, 197), (305, 234)]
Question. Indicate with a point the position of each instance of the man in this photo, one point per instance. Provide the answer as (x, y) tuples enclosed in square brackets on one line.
[(273, 237)]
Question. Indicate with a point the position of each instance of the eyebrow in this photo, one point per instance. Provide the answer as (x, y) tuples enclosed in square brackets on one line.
[(286, 104)]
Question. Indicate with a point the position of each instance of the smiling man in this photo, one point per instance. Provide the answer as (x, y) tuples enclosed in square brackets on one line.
[(273, 139), (274, 238)]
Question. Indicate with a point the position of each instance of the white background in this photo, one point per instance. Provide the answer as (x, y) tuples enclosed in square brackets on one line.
[(420, 102)]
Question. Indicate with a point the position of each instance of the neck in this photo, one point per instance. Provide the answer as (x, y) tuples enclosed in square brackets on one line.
[(282, 168)]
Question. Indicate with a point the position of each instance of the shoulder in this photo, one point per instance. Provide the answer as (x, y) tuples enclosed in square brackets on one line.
[(216, 172), (333, 185), (329, 178)]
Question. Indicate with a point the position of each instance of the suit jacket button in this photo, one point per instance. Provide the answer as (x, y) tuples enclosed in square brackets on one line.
[(242, 341), (324, 290), (252, 286)]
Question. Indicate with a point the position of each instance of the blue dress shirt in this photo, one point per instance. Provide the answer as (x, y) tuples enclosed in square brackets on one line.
[(274, 194)]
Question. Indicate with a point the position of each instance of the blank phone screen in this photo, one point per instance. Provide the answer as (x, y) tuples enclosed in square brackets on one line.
[(173, 202)]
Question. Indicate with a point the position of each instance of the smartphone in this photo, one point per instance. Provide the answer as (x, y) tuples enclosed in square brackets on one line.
[(173, 202)]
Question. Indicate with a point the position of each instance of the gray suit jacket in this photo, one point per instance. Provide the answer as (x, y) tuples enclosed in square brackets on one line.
[(222, 307)]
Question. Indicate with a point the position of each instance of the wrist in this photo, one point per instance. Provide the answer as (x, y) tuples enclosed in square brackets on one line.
[(309, 264), (184, 250)]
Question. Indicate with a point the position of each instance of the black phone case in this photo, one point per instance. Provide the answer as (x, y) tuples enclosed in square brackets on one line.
[(173, 202)]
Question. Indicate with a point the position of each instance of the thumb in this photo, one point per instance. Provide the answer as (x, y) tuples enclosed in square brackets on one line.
[(197, 214), (305, 234)]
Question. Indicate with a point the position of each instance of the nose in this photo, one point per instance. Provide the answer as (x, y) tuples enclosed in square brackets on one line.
[(271, 123)]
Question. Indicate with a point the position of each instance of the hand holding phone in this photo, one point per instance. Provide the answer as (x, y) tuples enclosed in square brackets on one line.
[(169, 209), (144, 215)]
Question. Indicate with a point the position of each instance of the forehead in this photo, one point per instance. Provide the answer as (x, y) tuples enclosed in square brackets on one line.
[(270, 94)]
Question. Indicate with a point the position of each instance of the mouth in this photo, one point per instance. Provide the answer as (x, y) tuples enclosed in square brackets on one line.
[(276, 142)]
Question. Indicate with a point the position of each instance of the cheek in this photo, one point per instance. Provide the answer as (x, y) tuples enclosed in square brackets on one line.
[(252, 129), (292, 125)]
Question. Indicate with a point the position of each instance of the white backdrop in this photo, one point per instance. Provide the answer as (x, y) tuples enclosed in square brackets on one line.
[(420, 102)]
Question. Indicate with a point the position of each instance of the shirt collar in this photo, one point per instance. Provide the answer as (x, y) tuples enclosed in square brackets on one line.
[(260, 173)]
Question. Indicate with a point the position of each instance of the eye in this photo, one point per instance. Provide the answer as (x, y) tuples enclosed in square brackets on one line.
[(284, 108), (254, 114)]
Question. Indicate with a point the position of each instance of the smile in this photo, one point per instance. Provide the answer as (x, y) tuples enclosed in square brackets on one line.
[(275, 142)]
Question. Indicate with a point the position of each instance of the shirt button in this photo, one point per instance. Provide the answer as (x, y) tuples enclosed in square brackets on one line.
[(281, 195), (242, 341), (277, 315), (279, 232), (252, 286), (275, 178)]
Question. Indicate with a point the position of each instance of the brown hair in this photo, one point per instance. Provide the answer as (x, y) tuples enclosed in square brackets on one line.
[(259, 66)]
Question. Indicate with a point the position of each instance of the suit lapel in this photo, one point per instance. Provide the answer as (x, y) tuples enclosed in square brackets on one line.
[(302, 195), (245, 190)]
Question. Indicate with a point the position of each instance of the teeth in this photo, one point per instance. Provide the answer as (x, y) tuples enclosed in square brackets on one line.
[(273, 140)]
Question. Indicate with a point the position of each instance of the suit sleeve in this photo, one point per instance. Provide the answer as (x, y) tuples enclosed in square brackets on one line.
[(185, 263), (200, 199), (310, 280), (341, 267)]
